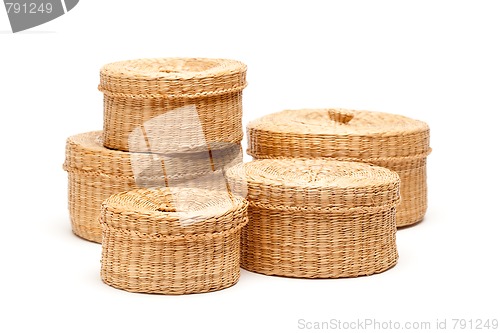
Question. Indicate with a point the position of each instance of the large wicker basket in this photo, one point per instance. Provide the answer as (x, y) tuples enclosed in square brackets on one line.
[(155, 97), (95, 173), (392, 141), (172, 240), (317, 218)]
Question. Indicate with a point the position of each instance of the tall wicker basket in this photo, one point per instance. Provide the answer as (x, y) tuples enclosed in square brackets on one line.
[(172, 240), (95, 173), (317, 218), (153, 97), (392, 141)]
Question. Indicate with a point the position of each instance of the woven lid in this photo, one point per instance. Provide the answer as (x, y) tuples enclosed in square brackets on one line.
[(337, 133), (173, 77), (85, 152), (320, 183), (175, 211)]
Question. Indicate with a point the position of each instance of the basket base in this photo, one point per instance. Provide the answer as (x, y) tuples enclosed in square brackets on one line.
[(86, 232), (171, 291), (408, 218), (312, 277), (410, 224)]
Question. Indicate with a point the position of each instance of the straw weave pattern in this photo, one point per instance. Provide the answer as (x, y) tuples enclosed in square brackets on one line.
[(136, 91), (317, 218), (151, 246), (95, 173), (392, 141)]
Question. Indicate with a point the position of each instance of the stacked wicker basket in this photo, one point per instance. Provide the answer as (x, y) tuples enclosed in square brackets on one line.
[(398, 143), (164, 188), (317, 218), (173, 124)]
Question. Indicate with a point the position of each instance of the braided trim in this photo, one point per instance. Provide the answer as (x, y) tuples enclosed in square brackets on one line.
[(362, 209), (166, 238), (172, 96), (347, 159), (172, 177)]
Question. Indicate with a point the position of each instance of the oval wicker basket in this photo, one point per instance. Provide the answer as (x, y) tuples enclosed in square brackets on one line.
[(95, 173), (171, 240), (136, 92), (392, 141), (317, 218)]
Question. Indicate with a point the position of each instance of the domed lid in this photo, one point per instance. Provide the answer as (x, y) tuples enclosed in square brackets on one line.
[(174, 211), (320, 183), (337, 133), (85, 153), (172, 77)]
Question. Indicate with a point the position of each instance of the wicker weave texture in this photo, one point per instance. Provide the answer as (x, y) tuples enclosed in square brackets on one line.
[(142, 92), (95, 173), (392, 141), (317, 218), (153, 245)]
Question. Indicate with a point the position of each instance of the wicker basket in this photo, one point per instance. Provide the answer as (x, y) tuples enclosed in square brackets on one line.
[(392, 141), (317, 218), (154, 97), (95, 173), (172, 240)]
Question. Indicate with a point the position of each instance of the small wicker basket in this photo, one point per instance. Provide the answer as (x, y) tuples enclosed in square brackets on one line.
[(155, 96), (172, 240), (317, 218), (95, 173), (392, 141)]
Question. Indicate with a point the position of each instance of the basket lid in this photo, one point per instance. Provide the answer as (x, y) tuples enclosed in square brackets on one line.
[(172, 77), (315, 183), (85, 153), (337, 133), (174, 211)]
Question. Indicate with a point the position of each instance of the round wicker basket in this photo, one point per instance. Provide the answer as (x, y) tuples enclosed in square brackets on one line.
[(172, 240), (95, 173), (156, 96), (317, 218), (392, 141)]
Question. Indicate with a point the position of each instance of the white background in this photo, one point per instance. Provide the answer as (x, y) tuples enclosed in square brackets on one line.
[(437, 61)]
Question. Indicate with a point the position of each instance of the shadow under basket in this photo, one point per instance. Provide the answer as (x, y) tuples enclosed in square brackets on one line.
[(95, 173), (317, 218), (172, 240), (392, 141)]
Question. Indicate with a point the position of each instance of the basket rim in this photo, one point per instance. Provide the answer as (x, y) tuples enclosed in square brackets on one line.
[(90, 145), (144, 210), (294, 121), (315, 184), (256, 173), (146, 78), (132, 69)]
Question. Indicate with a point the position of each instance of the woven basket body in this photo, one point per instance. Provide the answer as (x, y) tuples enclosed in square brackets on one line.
[(155, 97), (395, 142), (95, 173), (153, 245), (317, 218)]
